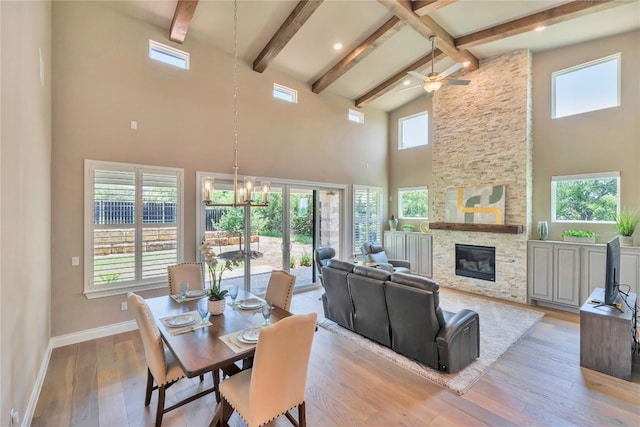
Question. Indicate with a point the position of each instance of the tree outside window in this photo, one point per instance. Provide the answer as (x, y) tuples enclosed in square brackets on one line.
[(586, 198), (413, 202)]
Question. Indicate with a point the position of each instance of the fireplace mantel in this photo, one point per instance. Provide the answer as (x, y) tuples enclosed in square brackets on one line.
[(487, 228)]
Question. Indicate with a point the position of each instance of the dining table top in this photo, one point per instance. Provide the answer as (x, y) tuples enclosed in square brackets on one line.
[(200, 350)]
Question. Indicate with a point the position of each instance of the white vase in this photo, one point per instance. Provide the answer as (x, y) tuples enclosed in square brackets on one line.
[(626, 240), (216, 307)]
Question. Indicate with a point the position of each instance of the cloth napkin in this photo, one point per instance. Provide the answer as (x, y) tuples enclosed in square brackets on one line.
[(173, 330), (231, 340)]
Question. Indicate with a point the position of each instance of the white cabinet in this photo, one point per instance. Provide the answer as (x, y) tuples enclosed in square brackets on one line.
[(412, 246), (554, 272), (567, 273)]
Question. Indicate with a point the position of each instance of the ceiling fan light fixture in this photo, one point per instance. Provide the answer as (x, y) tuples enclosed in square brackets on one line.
[(431, 86)]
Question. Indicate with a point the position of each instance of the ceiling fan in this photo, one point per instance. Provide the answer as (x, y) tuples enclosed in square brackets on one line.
[(433, 81)]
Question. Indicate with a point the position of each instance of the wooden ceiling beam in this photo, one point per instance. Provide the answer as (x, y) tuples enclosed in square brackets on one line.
[(393, 81), (422, 7), (545, 18), (391, 27), (182, 20), (296, 19), (427, 27)]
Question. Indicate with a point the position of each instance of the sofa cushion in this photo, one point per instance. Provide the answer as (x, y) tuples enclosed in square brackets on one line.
[(374, 273), (340, 265)]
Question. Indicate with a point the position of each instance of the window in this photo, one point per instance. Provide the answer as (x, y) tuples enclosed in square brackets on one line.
[(413, 203), (367, 215), (356, 116), (133, 226), (586, 87), (585, 198), (413, 131), (168, 55), (285, 93)]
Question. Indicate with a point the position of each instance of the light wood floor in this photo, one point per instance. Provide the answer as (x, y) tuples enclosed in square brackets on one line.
[(538, 382)]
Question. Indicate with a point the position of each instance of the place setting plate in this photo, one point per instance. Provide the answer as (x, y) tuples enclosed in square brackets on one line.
[(195, 293), (249, 336), (182, 320), (250, 304)]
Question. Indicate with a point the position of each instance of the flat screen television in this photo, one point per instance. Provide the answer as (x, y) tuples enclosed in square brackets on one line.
[(612, 277)]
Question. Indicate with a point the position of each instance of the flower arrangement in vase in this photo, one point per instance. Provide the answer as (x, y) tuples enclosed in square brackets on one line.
[(216, 267)]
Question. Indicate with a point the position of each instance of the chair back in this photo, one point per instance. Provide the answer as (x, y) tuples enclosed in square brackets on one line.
[(322, 256), (373, 252), (151, 338), (186, 272), (280, 289), (279, 374)]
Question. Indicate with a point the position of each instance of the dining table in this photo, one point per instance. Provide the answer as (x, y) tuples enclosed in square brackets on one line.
[(201, 348)]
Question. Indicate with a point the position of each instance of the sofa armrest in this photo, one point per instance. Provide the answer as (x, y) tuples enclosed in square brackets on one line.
[(400, 263), (459, 341)]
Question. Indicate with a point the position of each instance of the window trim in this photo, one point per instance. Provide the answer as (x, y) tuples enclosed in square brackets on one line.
[(586, 176), (615, 56), (412, 116), (89, 289), (287, 91), (163, 49), (421, 187)]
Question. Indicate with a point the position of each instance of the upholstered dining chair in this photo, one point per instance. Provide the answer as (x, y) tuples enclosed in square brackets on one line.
[(280, 289), (185, 272), (162, 367), (276, 383), (321, 256)]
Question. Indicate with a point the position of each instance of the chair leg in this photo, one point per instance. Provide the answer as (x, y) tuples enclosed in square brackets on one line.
[(227, 411), (302, 418), (147, 397), (160, 410)]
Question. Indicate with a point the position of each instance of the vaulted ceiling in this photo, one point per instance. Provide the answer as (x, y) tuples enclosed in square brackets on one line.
[(381, 40)]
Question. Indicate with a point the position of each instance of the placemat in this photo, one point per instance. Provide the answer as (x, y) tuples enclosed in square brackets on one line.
[(178, 298), (183, 329), (231, 340)]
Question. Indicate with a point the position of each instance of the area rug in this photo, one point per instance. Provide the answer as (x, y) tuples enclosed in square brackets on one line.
[(501, 326)]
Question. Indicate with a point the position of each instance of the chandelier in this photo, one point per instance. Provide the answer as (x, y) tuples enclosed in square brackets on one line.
[(247, 194)]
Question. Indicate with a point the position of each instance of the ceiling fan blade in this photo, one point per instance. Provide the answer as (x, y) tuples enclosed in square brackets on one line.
[(455, 67), (404, 89), (456, 82), (416, 74)]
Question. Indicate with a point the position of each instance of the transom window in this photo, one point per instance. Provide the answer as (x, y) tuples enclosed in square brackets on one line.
[(413, 203), (356, 116), (585, 198), (133, 226), (413, 131), (284, 93), (168, 55), (586, 87)]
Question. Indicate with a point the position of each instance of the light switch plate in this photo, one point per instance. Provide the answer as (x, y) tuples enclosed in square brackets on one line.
[(75, 261)]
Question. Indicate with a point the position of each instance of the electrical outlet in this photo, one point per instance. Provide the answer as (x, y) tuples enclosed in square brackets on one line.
[(75, 261), (123, 306), (15, 417)]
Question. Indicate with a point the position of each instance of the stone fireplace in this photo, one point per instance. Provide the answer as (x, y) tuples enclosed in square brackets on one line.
[(482, 137), (478, 262)]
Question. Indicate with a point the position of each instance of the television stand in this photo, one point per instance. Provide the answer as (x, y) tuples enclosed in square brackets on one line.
[(606, 340)]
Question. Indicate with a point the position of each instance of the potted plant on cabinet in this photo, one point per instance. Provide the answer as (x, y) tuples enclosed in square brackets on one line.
[(579, 236), (626, 223)]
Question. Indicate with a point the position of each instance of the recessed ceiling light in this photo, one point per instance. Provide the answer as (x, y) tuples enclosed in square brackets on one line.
[(337, 46), (466, 63), (540, 28), (406, 82)]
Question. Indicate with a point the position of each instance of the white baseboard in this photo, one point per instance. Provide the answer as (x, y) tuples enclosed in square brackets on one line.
[(90, 334), (35, 392)]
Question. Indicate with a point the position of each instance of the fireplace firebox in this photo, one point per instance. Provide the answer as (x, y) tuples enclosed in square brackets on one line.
[(478, 262)]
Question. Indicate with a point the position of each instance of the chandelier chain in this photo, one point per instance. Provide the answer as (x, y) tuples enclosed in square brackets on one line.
[(235, 82)]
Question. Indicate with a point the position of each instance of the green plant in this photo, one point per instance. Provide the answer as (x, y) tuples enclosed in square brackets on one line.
[(109, 278), (578, 233), (409, 227), (305, 260), (292, 262), (626, 222)]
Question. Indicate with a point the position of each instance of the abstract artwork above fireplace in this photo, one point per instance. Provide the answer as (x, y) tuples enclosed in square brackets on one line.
[(475, 205)]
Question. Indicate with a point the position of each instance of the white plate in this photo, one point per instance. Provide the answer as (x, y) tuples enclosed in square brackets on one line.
[(196, 293), (250, 303), (183, 320), (250, 336)]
